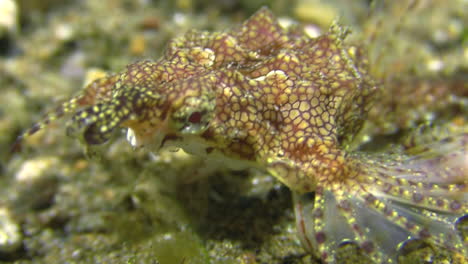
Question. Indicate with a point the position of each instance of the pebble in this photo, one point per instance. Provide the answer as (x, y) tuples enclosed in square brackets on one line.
[(32, 170), (317, 12), (8, 16), (10, 234)]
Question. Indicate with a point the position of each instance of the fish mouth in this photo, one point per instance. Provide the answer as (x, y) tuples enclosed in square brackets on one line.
[(154, 135), (142, 134)]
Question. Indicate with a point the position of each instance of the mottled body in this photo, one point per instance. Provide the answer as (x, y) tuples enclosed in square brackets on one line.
[(281, 101)]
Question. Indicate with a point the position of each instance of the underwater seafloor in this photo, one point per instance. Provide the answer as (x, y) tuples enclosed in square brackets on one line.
[(133, 206)]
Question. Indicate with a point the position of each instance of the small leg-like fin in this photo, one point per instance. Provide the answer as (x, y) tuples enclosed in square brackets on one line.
[(392, 199)]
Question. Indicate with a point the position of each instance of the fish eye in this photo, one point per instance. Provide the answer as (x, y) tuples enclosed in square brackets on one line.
[(193, 122), (193, 117)]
